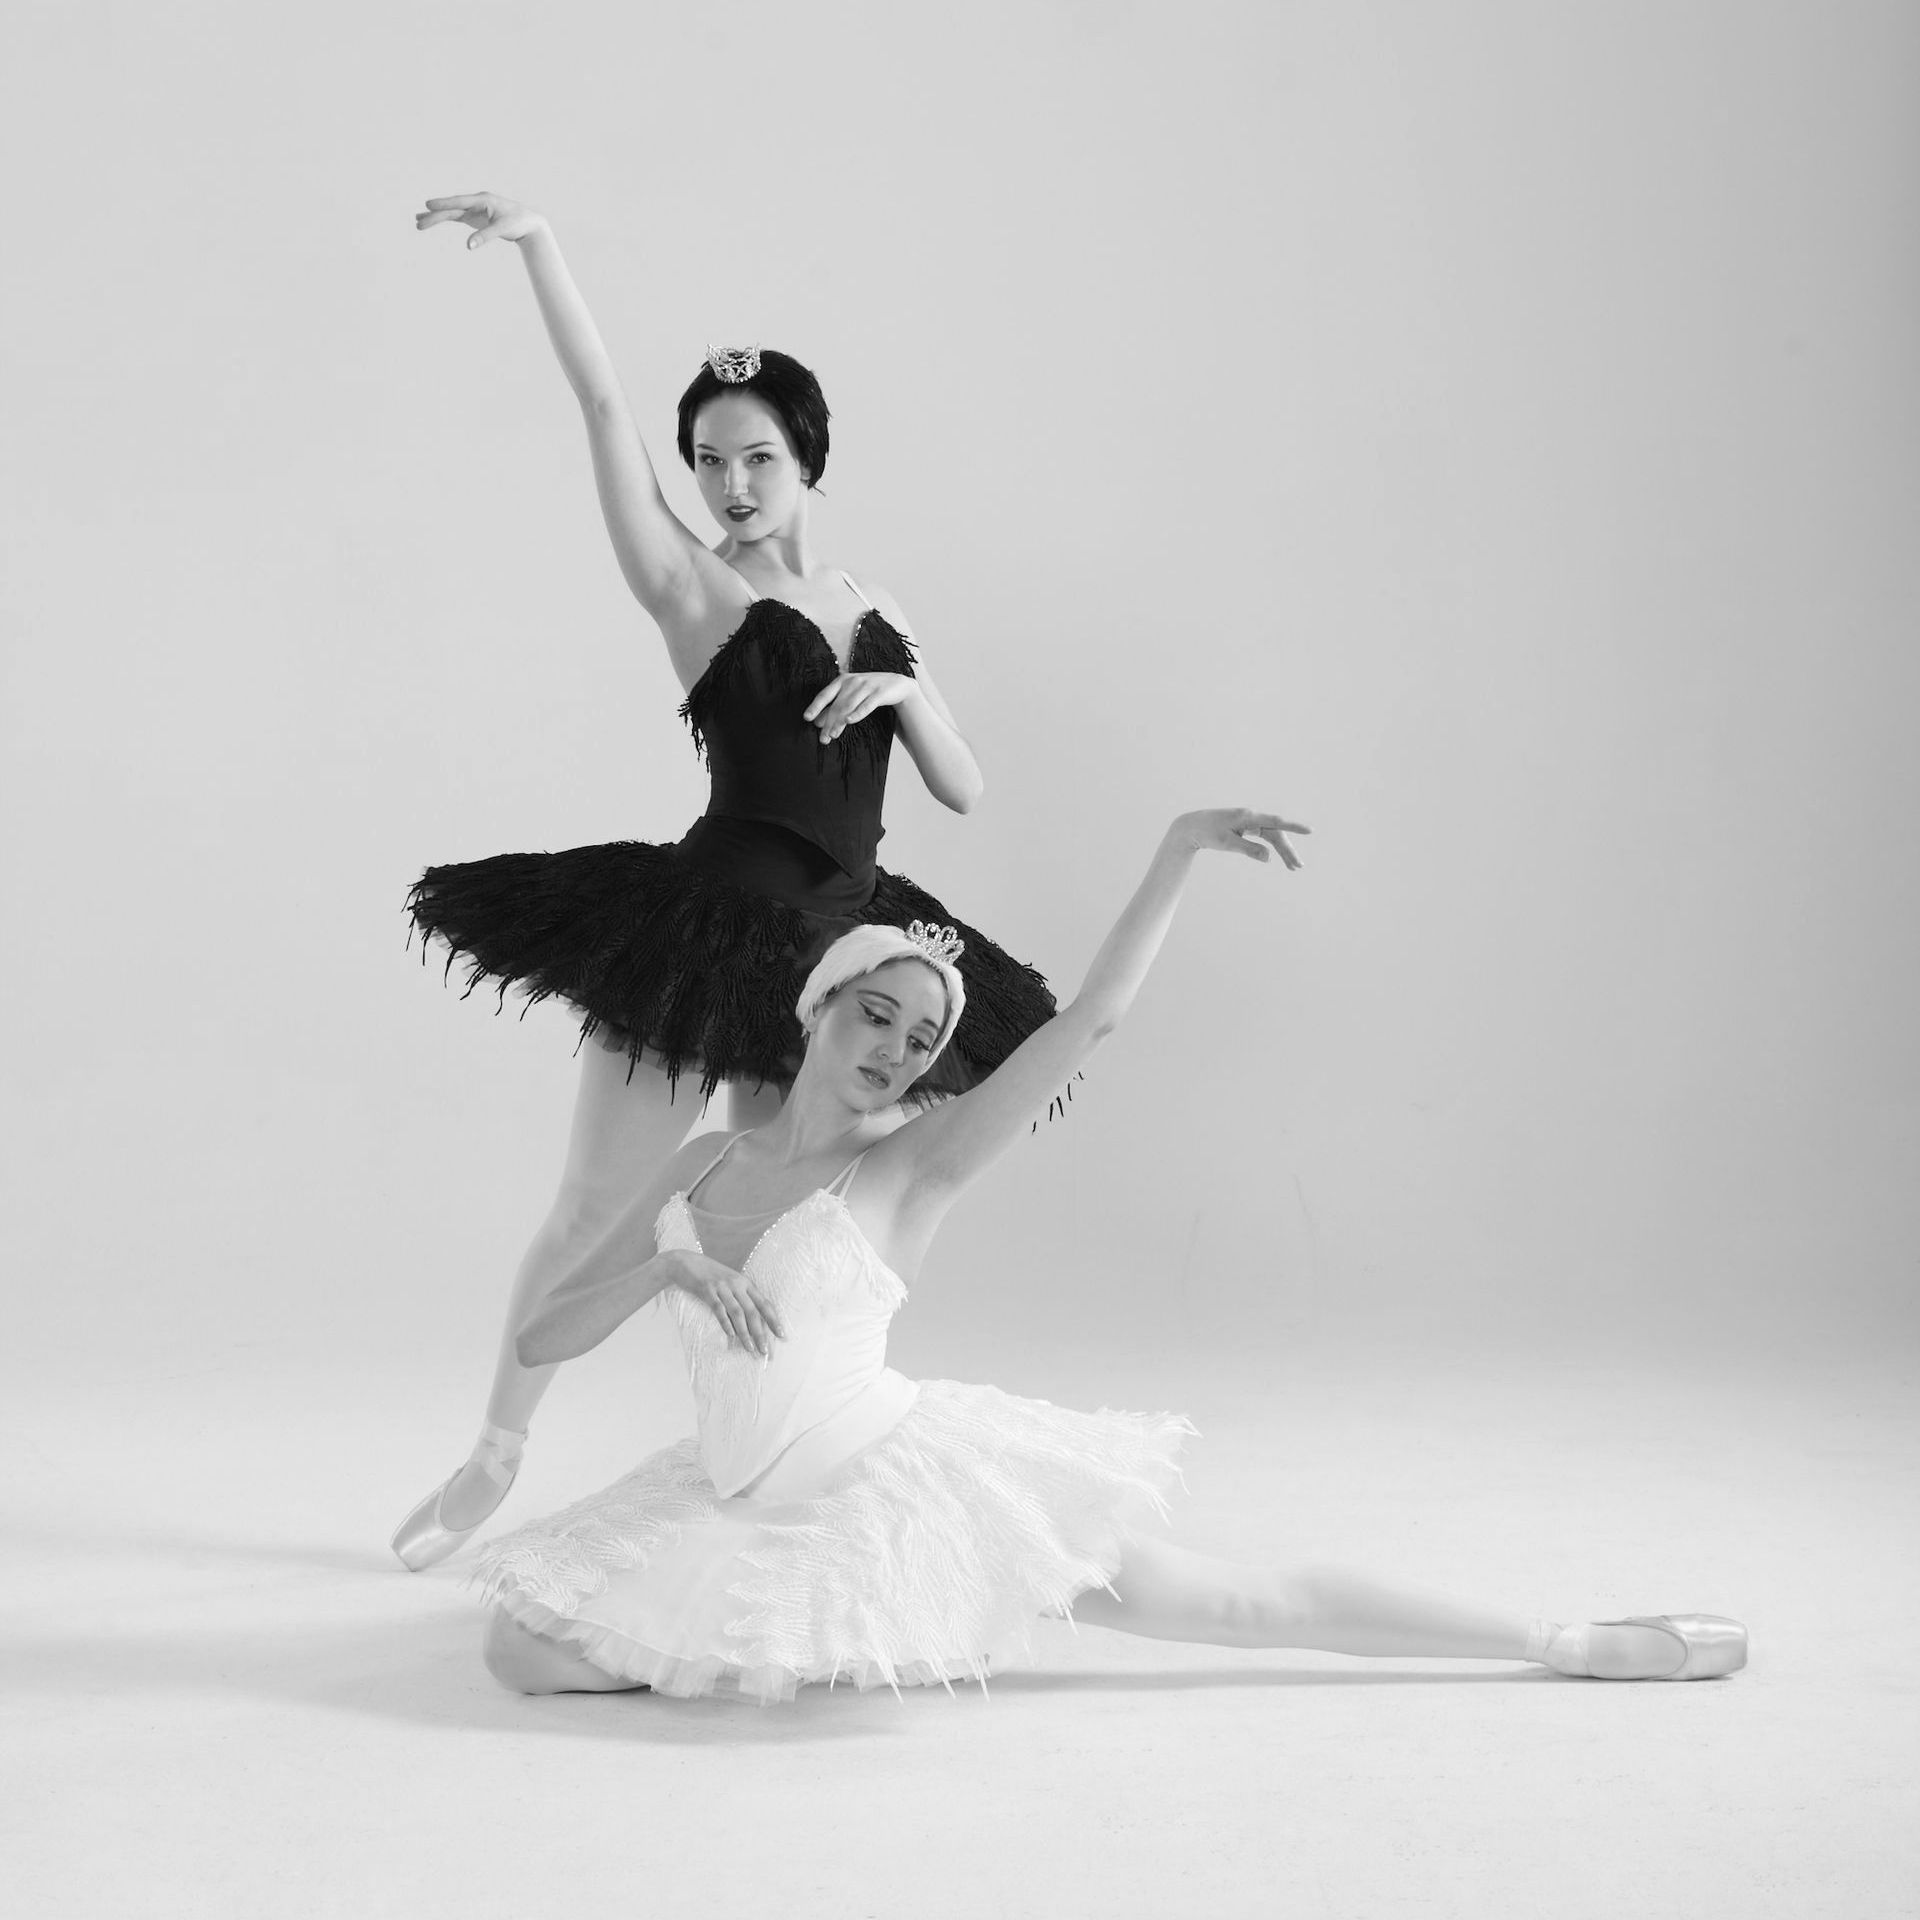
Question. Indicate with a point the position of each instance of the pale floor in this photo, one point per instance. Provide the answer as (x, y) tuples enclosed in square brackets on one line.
[(224, 1698)]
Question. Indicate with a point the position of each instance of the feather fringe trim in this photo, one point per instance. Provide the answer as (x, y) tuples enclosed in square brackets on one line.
[(929, 1560), (794, 662), (675, 963)]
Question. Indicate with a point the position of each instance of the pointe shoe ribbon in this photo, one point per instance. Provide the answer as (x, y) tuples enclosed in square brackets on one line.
[(423, 1538)]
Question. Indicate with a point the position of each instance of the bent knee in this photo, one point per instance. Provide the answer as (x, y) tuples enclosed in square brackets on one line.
[(578, 1220), (521, 1661)]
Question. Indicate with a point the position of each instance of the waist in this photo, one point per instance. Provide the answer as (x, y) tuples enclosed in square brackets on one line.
[(806, 1465), (764, 856)]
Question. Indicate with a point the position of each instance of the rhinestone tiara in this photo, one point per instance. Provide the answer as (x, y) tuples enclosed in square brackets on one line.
[(936, 942), (733, 365)]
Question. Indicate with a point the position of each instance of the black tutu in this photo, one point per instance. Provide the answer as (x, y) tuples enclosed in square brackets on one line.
[(666, 954)]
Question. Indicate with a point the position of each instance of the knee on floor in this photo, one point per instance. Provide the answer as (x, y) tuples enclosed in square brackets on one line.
[(521, 1661)]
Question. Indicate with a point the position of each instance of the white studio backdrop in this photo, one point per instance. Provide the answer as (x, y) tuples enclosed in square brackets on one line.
[(1487, 433)]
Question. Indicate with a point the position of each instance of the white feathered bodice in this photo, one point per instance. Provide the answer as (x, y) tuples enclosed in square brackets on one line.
[(835, 1298)]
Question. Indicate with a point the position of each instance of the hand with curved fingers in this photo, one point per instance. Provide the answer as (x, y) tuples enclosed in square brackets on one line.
[(492, 216), (734, 1300), (1240, 830), (852, 696)]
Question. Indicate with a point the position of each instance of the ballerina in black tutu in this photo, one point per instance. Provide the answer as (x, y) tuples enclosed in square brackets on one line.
[(684, 960)]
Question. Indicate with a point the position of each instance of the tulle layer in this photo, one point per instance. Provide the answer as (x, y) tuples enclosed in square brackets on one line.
[(928, 1557), (670, 958)]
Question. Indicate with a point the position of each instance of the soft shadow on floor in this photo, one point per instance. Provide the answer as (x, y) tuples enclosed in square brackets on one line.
[(1198, 1679), (422, 1672)]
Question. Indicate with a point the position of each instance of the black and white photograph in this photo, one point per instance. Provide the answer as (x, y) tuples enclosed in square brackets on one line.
[(965, 962)]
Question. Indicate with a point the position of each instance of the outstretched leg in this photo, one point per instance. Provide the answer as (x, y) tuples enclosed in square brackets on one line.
[(1164, 1592), (624, 1125)]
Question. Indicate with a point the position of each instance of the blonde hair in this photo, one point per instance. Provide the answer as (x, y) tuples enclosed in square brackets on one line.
[(865, 949)]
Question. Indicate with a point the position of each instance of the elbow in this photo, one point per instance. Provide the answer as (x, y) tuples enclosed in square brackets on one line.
[(963, 795), (1095, 1022)]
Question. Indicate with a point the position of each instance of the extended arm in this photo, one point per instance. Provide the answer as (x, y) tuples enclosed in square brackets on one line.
[(663, 562), (955, 1143)]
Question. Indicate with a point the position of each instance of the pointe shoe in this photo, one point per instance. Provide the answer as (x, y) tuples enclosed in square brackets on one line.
[(423, 1539), (1710, 1645)]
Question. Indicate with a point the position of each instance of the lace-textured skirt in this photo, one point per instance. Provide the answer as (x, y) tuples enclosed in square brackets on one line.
[(694, 953), (923, 1558)]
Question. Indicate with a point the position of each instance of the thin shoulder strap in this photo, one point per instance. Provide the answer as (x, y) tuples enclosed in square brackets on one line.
[(843, 1184), (695, 1185), (855, 585), (742, 578)]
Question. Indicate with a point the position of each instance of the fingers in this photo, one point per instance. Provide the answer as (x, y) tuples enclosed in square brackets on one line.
[(846, 701), (474, 208), (765, 1309), (1251, 829), (749, 1320), (825, 697)]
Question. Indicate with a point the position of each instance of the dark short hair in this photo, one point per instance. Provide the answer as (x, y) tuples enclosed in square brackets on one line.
[(787, 387)]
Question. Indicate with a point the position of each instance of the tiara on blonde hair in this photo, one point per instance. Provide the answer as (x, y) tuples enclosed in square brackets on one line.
[(733, 366), (935, 941), (865, 948)]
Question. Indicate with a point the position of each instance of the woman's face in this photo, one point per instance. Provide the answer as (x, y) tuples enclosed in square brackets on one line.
[(876, 1034), (748, 475)]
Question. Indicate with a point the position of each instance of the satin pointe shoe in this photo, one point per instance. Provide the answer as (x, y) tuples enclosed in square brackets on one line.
[(423, 1539), (1710, 1645)]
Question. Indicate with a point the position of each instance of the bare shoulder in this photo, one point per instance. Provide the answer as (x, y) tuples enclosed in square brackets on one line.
[(693, 1158), (889, 607)]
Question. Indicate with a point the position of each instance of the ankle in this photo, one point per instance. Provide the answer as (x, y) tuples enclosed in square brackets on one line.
[(1541, 1635)]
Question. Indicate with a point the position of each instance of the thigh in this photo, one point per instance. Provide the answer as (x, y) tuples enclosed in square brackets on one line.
[(752, 1106), (1165, 1592), (627, 1118)]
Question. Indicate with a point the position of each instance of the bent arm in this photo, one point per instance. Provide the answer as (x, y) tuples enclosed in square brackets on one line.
[(953, 1145), (928, 730), (578, 1314), (940, 751), (617, 1275)]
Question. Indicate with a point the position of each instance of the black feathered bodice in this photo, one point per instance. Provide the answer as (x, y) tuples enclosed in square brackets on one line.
[(769, 764)]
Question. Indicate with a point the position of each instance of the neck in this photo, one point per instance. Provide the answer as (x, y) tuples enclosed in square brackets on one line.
[(814, 1125), (786, 555)]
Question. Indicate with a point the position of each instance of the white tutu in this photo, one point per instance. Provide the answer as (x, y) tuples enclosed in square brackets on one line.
[(925, 1557)]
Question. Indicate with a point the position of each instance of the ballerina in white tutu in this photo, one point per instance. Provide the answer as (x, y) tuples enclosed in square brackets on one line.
[(832, 1521)]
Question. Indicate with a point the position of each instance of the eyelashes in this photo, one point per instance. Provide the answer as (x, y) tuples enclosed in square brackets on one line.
[(880, 1020)]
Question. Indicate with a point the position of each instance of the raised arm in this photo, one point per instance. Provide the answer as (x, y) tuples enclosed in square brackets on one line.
[(625, 1269), (664, 563), (940, 1153)]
